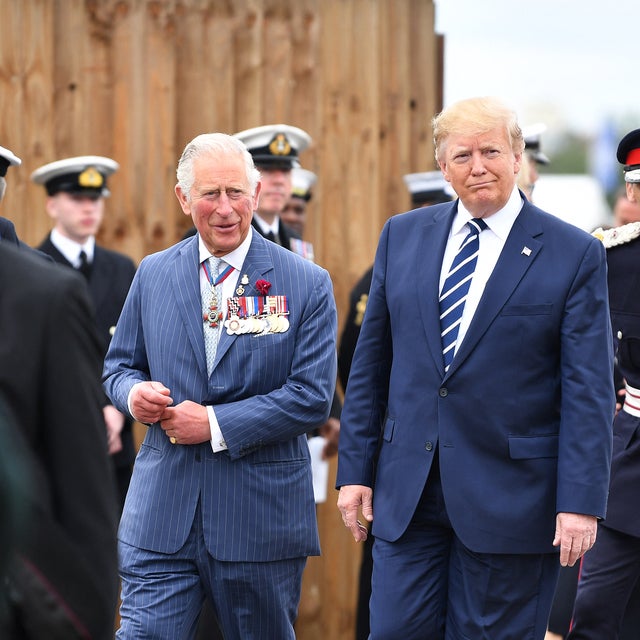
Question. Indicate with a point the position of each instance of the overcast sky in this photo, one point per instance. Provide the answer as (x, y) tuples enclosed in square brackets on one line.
[(568, 63)]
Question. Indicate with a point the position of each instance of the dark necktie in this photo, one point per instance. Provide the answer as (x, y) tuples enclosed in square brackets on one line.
[(270, 236), (85, 265), (456, 287)]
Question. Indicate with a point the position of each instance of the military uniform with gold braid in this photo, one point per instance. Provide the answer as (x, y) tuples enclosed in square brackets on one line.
[(607, 606)]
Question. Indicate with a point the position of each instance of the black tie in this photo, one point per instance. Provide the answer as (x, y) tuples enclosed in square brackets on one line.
[(270, 236), (85, 265)]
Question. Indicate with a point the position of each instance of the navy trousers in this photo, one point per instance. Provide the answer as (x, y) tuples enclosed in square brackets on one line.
[(429, 586), (610, 571)]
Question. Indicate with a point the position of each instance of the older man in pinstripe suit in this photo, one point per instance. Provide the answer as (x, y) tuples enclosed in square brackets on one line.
[(221, 500)]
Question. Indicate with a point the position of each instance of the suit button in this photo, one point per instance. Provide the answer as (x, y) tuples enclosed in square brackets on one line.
[(428, 446), (443, 392)]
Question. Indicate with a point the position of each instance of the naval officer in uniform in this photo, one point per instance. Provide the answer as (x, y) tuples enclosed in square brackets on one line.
[(76, 191), (275, 149)]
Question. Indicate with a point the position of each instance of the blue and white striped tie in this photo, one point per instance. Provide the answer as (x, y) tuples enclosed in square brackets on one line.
[(456, 287), (211, 333)]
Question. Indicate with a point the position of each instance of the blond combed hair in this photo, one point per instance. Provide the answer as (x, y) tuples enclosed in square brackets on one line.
[(475, 116)]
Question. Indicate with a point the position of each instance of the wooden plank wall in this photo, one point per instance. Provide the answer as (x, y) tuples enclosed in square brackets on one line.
[(137, 79)]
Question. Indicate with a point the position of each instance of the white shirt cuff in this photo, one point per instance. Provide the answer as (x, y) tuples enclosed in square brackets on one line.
[(129, 401), (217, 439)]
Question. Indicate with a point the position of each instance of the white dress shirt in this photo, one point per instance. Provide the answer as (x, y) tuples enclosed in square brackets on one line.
[(266, 228), (492, 241), (71, 249), (236, 259)]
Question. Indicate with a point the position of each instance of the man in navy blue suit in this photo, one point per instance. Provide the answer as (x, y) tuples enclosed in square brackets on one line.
[(477, 472), (226, 348)]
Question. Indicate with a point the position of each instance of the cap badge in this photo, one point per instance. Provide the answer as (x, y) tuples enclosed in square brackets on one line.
[(280, 145), (90, 178)]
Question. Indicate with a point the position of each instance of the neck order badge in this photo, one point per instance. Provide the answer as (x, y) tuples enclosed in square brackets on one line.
[(214, 315)]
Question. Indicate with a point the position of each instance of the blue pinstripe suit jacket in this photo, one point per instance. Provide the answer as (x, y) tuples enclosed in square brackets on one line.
[(268, 391)]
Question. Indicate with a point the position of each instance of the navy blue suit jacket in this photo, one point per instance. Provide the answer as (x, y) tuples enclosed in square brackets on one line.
[(522, 420), (268, 391)]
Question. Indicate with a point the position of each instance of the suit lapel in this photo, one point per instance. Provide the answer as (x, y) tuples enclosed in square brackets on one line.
[(185, 283), (429, 261), (50, 249), (518, 254)]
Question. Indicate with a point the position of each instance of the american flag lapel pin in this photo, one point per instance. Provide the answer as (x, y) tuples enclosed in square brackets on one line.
[(526, 251)]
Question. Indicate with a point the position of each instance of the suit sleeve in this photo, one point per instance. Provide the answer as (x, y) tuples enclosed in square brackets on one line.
[(587, 390), (303, 402), (367, 392)]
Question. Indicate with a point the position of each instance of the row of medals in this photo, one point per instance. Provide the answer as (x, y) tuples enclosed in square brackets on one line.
[(258, 325)]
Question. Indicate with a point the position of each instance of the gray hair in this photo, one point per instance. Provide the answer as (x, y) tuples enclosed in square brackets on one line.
[(3, 186), (211, 144)]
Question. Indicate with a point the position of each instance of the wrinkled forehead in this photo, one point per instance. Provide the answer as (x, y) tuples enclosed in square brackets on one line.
[(219, 171)]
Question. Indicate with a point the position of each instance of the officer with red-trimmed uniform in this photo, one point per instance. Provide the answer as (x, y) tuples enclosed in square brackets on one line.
[(611, 570)]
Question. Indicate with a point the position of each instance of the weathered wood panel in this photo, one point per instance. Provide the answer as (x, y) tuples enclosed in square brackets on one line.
[(137, 79)]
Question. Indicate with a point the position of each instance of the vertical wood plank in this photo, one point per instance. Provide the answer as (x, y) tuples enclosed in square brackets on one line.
[(395, 141), (26, 104), (160, 220), (131, 111), (426, 84), (247, 54), (304, 98)]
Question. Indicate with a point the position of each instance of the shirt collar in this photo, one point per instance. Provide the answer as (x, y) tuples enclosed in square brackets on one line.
[(235, 258), (71, 249), (264, 227), (499, 222)]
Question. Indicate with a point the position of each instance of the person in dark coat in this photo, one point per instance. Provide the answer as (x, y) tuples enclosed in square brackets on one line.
[(611, 570), (62, 579), (76, 188)]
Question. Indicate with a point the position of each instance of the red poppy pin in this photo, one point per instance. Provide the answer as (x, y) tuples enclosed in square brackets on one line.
[(263, 287)]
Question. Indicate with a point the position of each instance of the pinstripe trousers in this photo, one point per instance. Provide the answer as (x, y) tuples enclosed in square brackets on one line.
[(162, 594)]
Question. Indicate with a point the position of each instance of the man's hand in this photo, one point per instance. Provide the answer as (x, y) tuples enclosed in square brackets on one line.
[(350, 499), (576, 534), (148, 401), (187, 423), (114, 420)]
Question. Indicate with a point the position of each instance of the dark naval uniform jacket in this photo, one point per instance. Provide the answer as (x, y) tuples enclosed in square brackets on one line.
[(285, 234), (623, 261), (109, 281)]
